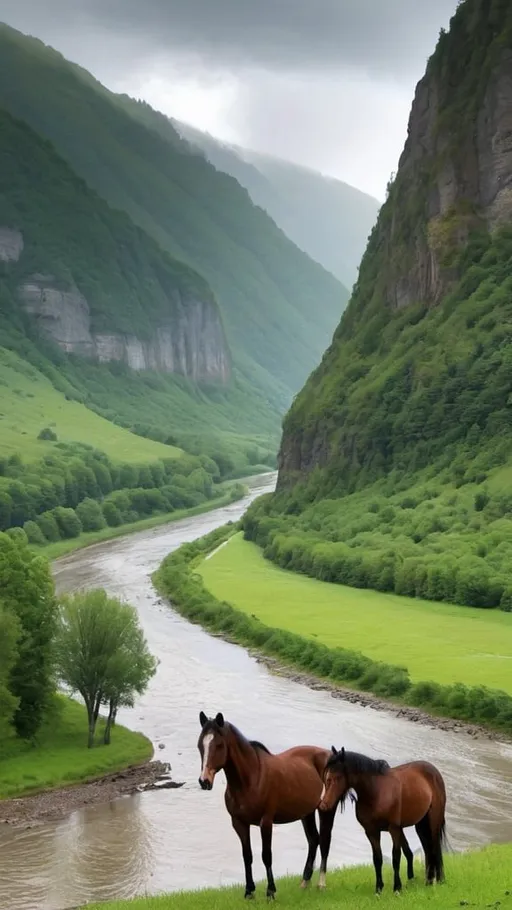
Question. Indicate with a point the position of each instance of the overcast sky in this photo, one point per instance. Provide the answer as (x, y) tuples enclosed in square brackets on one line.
[(326, 83)]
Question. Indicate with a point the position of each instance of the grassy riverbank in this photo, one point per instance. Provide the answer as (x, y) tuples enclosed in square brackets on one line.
[(178, 578), (476, 880), (63, 547), (438, 641), (61, 757)]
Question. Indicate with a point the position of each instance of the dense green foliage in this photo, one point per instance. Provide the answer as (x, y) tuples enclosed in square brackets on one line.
[(427, 385), (28, 595), (478, 879), (101, 652), (279, 307), (77, 488), (327, 218), (177, 580), (431, 540), (9, 635)]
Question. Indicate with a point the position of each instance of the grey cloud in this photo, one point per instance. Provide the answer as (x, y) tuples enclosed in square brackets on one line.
[(390, 37)]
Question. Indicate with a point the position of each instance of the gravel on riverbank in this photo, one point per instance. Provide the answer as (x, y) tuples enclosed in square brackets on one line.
[(367, 700), (28, 811)]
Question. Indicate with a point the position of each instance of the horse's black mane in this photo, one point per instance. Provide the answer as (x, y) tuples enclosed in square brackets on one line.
[(257, 745), (358, 764)]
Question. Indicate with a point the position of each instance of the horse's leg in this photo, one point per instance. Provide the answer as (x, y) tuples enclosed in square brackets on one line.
[(409, 856), (425, 835), (311, 832), (244, 833), (326, 823), (266, 855), (373, 836), (396, 835)]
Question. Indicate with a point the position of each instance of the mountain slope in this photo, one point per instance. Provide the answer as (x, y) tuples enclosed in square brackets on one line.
[(395, 469), (420, 360), (279, 308), (327, 218), (107, 316), (93, 282)]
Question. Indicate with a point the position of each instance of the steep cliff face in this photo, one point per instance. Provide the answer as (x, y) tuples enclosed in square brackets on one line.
[(420, 360), (193, 345), (452, 177), (93, 282), (11, 244)]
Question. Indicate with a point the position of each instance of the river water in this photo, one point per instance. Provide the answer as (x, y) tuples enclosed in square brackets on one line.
[(162, 841)]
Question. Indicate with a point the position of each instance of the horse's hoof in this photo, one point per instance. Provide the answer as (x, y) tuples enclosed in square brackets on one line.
[(305, 884), (249, 895)]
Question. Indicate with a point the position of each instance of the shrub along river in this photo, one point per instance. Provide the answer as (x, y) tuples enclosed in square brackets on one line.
[(161, 841)]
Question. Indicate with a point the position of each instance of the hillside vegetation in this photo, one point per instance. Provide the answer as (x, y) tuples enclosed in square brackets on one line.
[(327, 218), (30, 403), (396, 458), (279, 308)]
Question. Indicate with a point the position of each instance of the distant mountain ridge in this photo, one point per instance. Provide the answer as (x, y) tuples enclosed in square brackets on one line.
[(327, 218)]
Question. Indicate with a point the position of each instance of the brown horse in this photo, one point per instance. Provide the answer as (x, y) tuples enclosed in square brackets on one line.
[(265, 790), (390, 799)]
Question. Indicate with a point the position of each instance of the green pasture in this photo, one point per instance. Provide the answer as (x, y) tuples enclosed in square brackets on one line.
[(435, 641)]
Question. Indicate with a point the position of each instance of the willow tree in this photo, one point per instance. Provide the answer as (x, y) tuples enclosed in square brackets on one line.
[(101, 652)]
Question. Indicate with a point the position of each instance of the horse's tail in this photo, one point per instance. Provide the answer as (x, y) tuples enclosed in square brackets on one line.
[(438, 826)]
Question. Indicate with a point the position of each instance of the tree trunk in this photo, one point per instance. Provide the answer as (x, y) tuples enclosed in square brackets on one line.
[(110, 722), (91, 726), (114, 716), (97, 707)]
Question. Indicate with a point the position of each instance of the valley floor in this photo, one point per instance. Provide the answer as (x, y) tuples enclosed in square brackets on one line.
[(435, 641), (476, 880)]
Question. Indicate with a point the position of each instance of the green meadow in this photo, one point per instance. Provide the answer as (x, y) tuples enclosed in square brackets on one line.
[(29, 403), (435, 641)]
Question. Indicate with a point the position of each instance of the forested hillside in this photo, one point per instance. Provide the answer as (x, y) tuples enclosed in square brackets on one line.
[(279, 307), (395, 464), (327, 218)]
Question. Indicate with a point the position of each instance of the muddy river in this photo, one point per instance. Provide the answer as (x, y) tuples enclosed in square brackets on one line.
[(176, 839)]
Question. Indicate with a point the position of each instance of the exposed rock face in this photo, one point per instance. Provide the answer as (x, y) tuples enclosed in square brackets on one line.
[(193, 345), (11, 244), (458, 182)]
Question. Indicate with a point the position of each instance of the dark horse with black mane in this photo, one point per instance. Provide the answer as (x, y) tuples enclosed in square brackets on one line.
[(390, 799), (265, 790)]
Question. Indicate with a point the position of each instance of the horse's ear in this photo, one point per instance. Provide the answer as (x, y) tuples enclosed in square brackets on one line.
[(343, 753), (334, 750), (202, 718), (219, 720)]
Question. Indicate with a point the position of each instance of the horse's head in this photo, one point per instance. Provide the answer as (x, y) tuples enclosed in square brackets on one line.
[(336, 785), (212, 747)]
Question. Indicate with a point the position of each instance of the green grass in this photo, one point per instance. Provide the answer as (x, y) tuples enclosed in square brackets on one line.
[(477, 880), (435, 641), (62, 547), (61, 757), (29, 402)]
